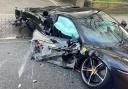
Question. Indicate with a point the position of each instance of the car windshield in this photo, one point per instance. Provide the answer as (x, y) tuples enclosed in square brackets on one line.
[(99, 28)]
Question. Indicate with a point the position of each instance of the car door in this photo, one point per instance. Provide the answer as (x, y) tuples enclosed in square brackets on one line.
[(63, 30)]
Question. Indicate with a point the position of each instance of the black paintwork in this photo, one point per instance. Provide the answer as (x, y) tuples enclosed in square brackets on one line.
[(116, 58)]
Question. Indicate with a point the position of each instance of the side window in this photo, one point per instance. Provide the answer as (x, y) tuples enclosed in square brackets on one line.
[(66, 27)]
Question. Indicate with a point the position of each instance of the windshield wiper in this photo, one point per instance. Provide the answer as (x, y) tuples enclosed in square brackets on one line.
[(93, 14)]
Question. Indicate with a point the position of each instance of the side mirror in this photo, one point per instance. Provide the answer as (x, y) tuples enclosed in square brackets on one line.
[(123, 23)]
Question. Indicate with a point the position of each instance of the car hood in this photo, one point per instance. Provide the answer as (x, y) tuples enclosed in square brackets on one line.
[(115, 57), (119, 51)]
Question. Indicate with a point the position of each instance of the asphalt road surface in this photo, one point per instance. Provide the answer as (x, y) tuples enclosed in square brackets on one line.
[(17, 71)]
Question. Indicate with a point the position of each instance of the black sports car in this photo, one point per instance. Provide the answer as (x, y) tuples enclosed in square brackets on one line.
[(85, 39)]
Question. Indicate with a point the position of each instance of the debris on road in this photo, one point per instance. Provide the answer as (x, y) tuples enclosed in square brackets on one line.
[(34, 81), (8, 52), (19, 85)]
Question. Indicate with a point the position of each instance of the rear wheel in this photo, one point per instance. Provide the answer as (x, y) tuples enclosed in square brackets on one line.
[(95, 74)]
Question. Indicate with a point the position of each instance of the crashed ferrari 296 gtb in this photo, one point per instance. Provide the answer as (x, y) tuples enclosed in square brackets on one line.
[(85, 39)]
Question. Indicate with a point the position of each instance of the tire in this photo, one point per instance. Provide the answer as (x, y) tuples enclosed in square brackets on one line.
[(96, 74)]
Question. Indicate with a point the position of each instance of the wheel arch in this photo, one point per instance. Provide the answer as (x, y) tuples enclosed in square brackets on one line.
[(102, 56)]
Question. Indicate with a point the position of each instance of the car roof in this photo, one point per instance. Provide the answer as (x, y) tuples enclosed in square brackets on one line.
[(75, 11)]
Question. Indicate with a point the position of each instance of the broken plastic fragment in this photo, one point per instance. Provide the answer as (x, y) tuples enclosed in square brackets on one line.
[(34, 81), (19, 85)]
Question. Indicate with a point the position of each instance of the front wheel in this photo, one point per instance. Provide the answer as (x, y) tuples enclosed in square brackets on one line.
[(95, 74)]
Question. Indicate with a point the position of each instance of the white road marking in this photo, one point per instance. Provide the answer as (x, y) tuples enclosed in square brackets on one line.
[(8, 38), (32, 71), (7, 14), (5, 42), (26, 57), (54, 2)]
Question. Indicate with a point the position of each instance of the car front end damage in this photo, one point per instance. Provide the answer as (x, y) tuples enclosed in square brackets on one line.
[(54, 50), (43, 44)]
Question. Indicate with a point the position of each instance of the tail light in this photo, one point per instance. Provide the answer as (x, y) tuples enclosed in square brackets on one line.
[(37, 44)]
